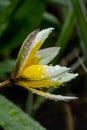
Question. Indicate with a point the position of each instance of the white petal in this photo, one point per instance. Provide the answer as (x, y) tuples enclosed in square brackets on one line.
[(59, 74), (67, 77), (64, 77), (46, 55), (55, 71), (42, 35), (52, 96)]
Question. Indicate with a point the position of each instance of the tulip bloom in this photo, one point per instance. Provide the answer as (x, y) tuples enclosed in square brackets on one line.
[(32, 71)]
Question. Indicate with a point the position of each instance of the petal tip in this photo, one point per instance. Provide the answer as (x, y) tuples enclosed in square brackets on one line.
[(76, 74), (67, 99), (47, 30), (56, 49), (50, 28)]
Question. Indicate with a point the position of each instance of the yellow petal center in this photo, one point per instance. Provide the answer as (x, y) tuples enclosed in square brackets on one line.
[(35, 76), (34, 72)]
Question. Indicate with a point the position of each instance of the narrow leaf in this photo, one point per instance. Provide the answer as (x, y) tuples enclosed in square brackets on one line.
[(81, 18), (65, 33), (13, 118)]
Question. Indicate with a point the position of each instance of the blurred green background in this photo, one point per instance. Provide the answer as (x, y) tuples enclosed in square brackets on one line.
[(69, 18)]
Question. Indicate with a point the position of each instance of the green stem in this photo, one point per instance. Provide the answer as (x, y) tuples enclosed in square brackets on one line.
[(29, 103)]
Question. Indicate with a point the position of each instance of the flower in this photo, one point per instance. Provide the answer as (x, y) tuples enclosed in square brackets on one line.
[(32, 71)]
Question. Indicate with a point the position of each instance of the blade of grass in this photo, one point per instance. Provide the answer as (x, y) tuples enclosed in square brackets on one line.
[(65, 34), (81, 18)]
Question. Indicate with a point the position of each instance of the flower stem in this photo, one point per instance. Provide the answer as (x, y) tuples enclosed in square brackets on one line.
[(5, 83)]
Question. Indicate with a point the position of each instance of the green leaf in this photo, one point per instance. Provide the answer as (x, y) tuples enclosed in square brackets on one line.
[(65, 33), (13, 118), (81, 18), (26, 18)]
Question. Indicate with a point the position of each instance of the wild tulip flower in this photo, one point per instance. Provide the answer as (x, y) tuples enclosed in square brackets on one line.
[(33, 73)]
